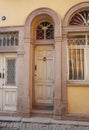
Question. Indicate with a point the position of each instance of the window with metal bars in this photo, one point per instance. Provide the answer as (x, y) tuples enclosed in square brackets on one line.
[(81, 17), (77, 46), (45, 30), (8, 39)]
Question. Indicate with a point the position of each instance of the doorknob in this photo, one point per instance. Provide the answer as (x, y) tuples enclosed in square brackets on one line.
[(44, 59)]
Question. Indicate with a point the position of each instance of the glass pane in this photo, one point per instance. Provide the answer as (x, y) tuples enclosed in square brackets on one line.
[(76, 64), (11, 71)]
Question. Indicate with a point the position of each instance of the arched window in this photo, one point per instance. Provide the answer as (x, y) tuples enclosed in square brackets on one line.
[(45, 31), (80, 18), (78, 46)]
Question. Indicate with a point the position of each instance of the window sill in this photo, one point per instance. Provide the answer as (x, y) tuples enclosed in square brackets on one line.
[(9, 48), (78, 83)]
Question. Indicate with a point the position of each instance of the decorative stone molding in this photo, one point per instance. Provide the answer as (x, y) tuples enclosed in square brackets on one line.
[(44, 10), (29, 39)]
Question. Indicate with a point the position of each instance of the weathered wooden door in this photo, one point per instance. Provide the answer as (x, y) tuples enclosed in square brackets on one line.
[(44, 74), (8, 88)]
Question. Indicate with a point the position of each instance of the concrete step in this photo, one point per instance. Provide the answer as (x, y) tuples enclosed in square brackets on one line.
[(42, 113)]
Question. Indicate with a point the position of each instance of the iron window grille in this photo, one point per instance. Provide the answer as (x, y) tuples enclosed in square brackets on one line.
[(9, 38), (45, 30), (77, 51), (80, 18)]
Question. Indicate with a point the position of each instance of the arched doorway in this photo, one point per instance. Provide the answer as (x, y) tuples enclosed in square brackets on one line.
[(43, 37)]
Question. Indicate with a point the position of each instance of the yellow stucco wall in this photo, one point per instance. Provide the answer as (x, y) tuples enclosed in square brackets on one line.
[(77, 99), (16, 11)]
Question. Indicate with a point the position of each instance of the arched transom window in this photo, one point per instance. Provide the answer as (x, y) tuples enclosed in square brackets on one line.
[(80, 18), (45, 31)]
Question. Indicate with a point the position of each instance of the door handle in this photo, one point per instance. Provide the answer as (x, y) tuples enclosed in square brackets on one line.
[(3, 75), (44, 59), (0, 75)]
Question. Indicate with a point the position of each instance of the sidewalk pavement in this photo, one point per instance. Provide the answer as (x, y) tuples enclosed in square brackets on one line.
[(38, 123)]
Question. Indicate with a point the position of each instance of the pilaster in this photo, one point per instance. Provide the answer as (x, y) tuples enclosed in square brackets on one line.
[(20, 81), (57, 88), (26, 73), (64, 74)]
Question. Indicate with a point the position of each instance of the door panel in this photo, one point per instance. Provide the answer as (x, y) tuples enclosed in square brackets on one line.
[(44, 74), (50, 70), (8, 88), (9, 99)]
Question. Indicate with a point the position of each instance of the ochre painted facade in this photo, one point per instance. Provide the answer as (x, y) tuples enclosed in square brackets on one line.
[(77, 98), (16, 11), (24, 13)]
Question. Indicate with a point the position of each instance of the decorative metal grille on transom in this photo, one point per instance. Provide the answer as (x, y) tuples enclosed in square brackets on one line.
[(77, 48), (8, 38), (11, 71), (80, 18), (45, 30)]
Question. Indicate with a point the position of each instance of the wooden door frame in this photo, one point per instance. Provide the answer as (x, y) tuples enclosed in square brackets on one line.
[(33, 85)]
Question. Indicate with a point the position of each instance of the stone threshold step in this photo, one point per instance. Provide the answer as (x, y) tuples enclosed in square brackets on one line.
[(42, 111)]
